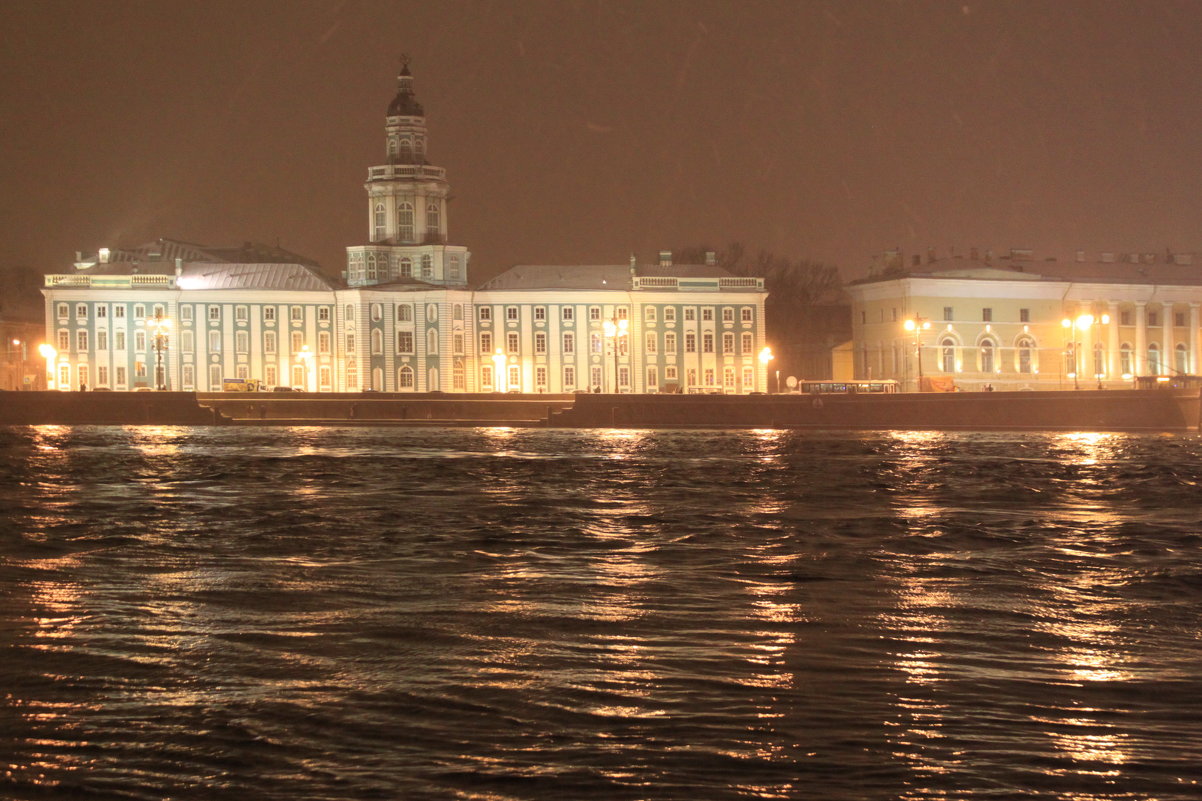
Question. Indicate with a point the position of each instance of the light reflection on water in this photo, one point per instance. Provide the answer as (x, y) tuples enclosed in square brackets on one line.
[(512, 613)]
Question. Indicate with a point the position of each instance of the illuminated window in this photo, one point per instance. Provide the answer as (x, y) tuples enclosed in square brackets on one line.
[(747, 343), (1025, 348), (404, 342), (1181, 359), (433, 224), (987, 352), (1125, 360), (511, 342), (1153, 359), (948, 355), (404, 313), (404, 217), (728, 343), (649, 342), (540, 342)]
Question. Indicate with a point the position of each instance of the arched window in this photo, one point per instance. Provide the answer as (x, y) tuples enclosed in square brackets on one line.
[(458, 378), (987, 352), (406, 151), (1025, 348), (433, 224), (1126, 366), (405, 378), (404, 313), (404, 222), (1099, 360), (1154, 359), (377, 344), (377, 379), (378, 223), (432, 340), (947, 354), (371, 265), (1181, 359)]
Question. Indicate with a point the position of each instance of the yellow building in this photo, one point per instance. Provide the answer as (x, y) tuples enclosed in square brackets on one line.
[(1013, 322)]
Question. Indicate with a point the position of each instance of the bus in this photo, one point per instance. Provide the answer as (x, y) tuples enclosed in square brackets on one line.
[(846, 387), (241, 385)]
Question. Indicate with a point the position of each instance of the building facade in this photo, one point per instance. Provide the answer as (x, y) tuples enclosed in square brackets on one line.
[(1012, 322), (404, 317)]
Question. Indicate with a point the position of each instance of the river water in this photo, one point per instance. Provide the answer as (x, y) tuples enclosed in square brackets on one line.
[(323, 613)]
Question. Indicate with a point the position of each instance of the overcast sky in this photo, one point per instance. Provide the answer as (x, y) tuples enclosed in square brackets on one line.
[(579, 132)]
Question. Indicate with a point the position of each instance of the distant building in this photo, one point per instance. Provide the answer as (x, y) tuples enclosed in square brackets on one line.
[(404, 317), (1012, 322)]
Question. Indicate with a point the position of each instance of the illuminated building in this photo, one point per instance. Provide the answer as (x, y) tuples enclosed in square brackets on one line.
[(404, 318), (1014, 322)]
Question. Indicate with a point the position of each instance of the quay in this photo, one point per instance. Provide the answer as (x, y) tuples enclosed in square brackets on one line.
[(1067, 410)]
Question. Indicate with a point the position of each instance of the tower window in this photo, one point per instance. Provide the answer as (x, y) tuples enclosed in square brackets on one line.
[(378, 223), (433, 221), (404, 222)]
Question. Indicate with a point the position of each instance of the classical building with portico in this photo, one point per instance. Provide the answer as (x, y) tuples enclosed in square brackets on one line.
[(1016, 321)]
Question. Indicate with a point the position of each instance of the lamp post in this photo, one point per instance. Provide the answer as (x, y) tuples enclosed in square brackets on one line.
[(306, 359), (161, 326), (20, 383), (48, 352), (918, 325), (614, 330), (498, 369), (765, 357), (1082, 323)]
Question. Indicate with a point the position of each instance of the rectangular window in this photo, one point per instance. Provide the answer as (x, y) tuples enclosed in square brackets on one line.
[(485, 312), (241, 314), (1125, 319), (189, 376), (670, 373), (511, 312), (269, 312), (323, 313), (63, 311), (139, 310), (187, 341), (594, 342), (298, 341), (690, 343), (269, 342), (1153, 320), (486, 343), (728, 343), (624, 376), (81, 340), (511, 341), (670, 314), (1178, 319), (102, 340), (540, 342), (404, 342), (119, 340), (947, 314), (746, 343), (540, 377), (457, 343), (690, 315), (102, 312), (569, 377), (64, 341), (185, 312), (621, 312), (323, 341), (214, 341), (81, 311), (241, 341), (745, 314), (652, 378), (595, 378), (296, 313), (987, 315), (1024, 315), (119, 311), (350, 343), (567, 313), (594, 312), (140, 340), (214, 312), (649, 344), (707, 342), (569, 343), (670, 343), (271, 375), (728, 315), (540, 312), (649, 314)]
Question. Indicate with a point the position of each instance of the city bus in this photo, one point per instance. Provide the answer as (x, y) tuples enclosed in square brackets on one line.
[(845, 387)]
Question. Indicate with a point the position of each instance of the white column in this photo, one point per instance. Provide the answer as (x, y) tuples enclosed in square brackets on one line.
[(1112, 342), (1193, 339), (1168, 354), (1141, 338)]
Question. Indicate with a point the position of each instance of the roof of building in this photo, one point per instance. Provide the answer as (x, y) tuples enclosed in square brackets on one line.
[(405, 103), (168, 250), (593, 276), (1136, 268), (205, 275)]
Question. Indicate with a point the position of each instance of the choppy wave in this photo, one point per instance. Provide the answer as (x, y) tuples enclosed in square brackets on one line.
[(526, 614)]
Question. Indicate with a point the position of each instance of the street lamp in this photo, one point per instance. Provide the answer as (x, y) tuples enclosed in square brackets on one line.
[(918, 325), (614, 330), (498, 369), (161, 326), (765, 357), (306, 359), (48, 353), (17, 343), (1082, 323)]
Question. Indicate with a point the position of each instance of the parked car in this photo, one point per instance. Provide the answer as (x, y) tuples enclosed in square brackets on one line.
[(282, 389)]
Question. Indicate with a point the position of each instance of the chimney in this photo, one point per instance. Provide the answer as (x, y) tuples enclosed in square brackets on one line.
[(665, 258)]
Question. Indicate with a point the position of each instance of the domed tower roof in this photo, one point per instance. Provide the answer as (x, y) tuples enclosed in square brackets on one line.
[(405, 104)]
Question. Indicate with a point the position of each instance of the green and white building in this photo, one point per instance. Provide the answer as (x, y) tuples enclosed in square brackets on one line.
[(404, 317)]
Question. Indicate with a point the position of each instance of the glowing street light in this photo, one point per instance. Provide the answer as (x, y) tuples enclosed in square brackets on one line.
[(614, 330), (306, 359), (498, 369), (161, 326), (766, 356), (49, 353), (1082, 323), (918, 325)]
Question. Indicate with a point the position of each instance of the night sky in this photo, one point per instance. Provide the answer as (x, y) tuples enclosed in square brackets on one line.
[(579, 132)]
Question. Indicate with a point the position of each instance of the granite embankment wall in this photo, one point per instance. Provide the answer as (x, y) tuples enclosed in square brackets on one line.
[(103, 408), (1105, 410), (1074, 410)]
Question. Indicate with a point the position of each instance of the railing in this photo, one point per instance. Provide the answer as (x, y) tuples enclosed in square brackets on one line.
[(150, 280), (655, 282), (731, 283), (405, 171), (68, 280)]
